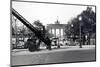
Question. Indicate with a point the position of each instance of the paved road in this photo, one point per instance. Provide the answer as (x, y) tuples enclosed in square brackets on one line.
[(25, 57)]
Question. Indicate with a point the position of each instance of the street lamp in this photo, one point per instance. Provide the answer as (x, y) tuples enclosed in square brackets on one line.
[(80, 18), (72, 32), (71, 25)]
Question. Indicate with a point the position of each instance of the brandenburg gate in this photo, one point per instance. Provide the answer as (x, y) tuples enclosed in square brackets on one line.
[(56, 29)]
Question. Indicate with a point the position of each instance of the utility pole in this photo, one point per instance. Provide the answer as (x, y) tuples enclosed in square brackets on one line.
[(80, 18)]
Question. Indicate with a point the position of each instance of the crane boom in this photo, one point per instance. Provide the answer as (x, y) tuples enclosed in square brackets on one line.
[(31, 27)]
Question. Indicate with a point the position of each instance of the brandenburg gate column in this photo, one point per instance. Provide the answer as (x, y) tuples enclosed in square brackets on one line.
[(60, 32), (63, 32), (55, 32), (51, 30)]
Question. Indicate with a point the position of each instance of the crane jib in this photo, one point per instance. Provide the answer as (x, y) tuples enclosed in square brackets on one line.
[(31, 27)]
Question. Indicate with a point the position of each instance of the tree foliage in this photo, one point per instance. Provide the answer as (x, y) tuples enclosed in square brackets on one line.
[(87, 23), (42, 29)]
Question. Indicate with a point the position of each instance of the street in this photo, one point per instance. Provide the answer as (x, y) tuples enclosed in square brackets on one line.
[(64, 54)]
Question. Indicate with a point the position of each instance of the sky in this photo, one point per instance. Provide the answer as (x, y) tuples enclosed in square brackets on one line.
[(47, 13)]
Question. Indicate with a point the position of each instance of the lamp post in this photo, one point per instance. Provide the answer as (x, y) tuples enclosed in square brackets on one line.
[(72, 32), (80, 18), (15, 20), (71, 25)]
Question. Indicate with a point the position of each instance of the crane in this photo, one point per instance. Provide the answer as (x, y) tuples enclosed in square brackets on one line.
[(46, 40)]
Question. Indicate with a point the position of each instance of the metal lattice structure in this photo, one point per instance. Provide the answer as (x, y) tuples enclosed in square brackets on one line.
[(46, 40)]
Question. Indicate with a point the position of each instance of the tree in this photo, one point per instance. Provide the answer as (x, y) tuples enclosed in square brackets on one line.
[(38, 24), (88, 24), (89, 20), (72, 28), (42, 29)]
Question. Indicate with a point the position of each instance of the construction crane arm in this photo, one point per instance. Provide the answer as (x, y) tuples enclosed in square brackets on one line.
[(31, 27)]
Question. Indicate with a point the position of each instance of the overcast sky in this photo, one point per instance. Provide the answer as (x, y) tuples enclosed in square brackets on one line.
[(47, 13)]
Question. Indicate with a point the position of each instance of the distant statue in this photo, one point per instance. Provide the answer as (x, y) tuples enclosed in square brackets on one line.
[(57, 22)]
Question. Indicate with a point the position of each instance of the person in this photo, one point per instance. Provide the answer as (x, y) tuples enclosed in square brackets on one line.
[(55, 43), (49, 43), (84, 39), (38, 44), (32, 46)]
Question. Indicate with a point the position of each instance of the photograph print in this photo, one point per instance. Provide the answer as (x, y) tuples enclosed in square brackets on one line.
[(52, 33)]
